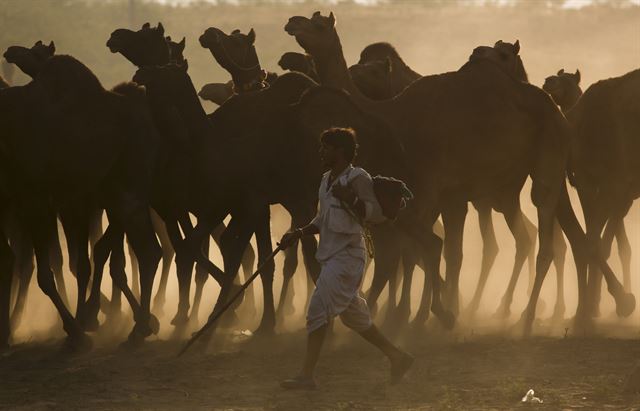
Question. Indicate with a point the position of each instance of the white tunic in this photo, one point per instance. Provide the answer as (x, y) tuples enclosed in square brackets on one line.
[(339, 230)]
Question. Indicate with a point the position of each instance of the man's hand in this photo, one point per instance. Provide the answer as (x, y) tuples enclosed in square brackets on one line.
[(343, 193), (289, 238)]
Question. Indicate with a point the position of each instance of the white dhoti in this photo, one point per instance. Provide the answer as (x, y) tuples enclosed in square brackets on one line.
[(337, 292)]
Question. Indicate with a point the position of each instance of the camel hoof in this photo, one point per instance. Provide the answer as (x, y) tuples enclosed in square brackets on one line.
[(447, 319), (78, 343), (558, 314), (265, 329), (89, 322), (502, 313), (181, 319), (625, 305), (154, 324)]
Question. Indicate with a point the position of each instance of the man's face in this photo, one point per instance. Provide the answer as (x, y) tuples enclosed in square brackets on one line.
[(329, 155)]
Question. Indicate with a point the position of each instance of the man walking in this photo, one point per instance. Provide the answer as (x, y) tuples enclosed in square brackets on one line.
[(346, 199)]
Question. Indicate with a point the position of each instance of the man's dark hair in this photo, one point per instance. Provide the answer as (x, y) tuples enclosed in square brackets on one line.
[(344, 138)]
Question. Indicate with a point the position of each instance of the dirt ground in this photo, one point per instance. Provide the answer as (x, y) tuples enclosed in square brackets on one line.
[(470, 369)]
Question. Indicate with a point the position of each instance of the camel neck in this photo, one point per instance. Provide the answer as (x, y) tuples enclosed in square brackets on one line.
[(333, 72), (194, 115)]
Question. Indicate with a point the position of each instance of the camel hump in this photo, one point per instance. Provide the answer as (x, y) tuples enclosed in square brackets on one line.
[(62, 74), (289, 87)]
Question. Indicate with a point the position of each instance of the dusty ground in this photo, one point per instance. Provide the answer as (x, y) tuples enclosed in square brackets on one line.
[(458, 370)]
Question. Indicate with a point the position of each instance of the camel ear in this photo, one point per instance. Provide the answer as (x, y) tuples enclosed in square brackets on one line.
[(577, 76), (332, 19), (316, 14), (146, 25), (38, 43), (497, 43), (52, 47), (161, 29), (182, 43), (251, 36), (516, 45), (560, 72)]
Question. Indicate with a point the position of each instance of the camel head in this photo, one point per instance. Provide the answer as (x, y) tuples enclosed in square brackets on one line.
[(30, 61), (378, 51), (236, 53), (170, 81), (299, 62), (176, 50), (505, 55), (216, 92), (564, 88), (145, 47), (317, 35), (373, 78)]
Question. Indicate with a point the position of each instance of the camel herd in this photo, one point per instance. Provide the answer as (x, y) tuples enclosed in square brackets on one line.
[(148, 155)]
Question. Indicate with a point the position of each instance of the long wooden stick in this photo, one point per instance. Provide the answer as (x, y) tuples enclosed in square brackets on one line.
[(230, 302)]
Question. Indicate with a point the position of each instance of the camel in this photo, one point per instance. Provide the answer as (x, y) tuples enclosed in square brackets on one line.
[(243, 80), (30, 61), (564, 89), (101, 157), (365, 72), (452, 164), (606, 175), (302, 63), (172, 207), (226, 49)]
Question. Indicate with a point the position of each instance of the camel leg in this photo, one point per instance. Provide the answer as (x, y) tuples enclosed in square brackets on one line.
[(409, 262), (6, 273), (184, 269), (265, 247), (287, 292), (23, 271), (188, 252), (624, 251), (545, 198), (615, 228), (167, 257), (57, 263), (115, 235), (101, 251), (559, 256), (142, 238), (135, 272), (201, 278), (77, 221), (41, 223), (453, 217), (248, 265), (510, 207), (301, 213), (489, 253), (596, 211), (387, 261), (420, 229)]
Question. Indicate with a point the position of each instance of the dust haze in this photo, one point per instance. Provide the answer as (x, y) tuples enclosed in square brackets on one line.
[(602, 40)]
